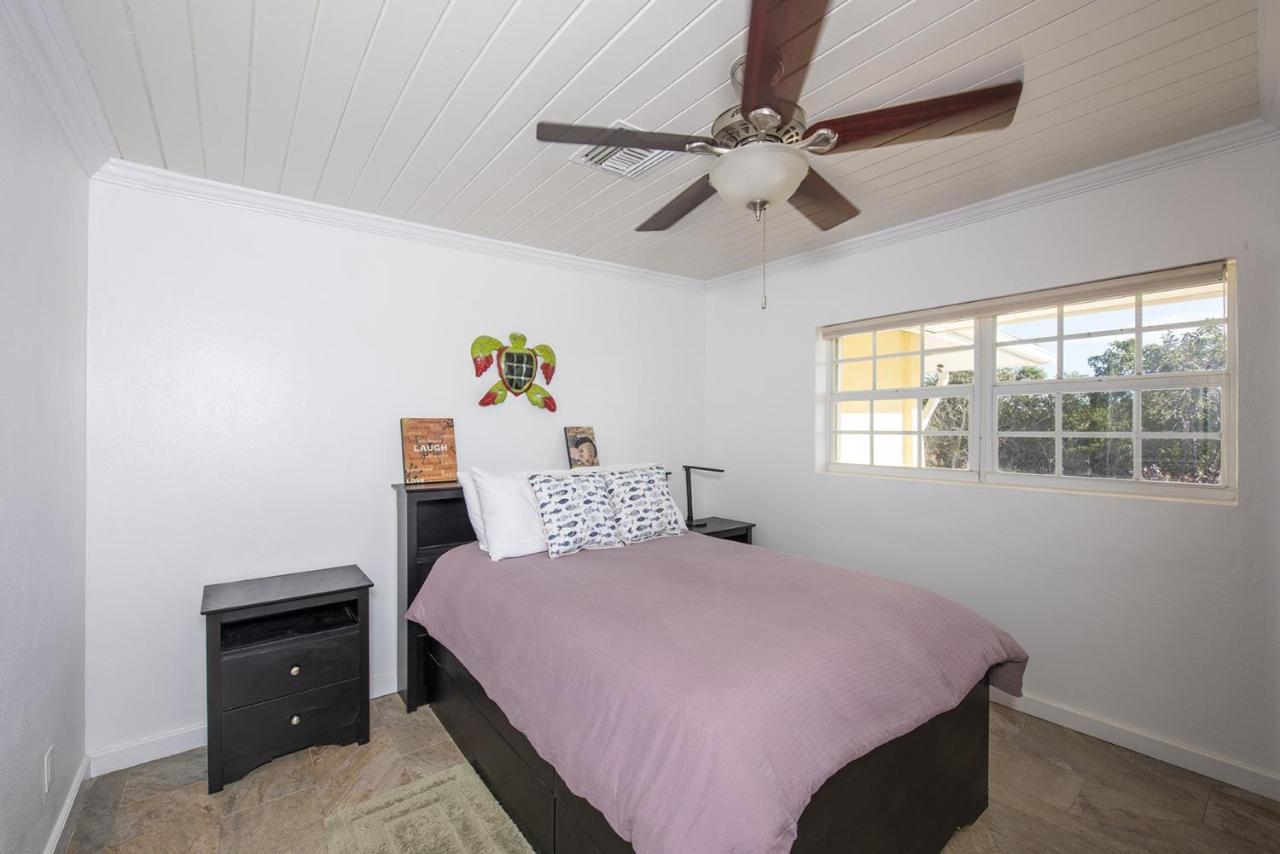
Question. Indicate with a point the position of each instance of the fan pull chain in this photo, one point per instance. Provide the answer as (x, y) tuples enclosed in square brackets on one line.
[(764, 257)]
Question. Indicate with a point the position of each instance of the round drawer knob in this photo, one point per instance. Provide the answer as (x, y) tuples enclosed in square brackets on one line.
[(295, 670), (295, 720)]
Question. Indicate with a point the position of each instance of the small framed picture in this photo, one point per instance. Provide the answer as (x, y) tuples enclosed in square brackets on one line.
[(430, 452), (580, 442)]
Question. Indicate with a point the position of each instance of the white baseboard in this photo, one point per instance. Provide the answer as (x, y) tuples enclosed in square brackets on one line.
[(1228, 770), (184, 738), (146, 749), (1243, 775), (55, 835), (381, 686)]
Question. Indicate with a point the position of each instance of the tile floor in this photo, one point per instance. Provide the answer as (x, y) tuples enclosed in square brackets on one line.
[(1052, 790), (164, 806)]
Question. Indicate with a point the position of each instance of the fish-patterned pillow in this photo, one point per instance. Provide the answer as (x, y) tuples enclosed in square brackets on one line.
[(576, 513), (643, 504)]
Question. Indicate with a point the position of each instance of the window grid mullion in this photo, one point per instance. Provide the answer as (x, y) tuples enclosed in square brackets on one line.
[(1137, 336), (905, 393), (875, 385), (833, 370), (1119, 330), (1182, 324), (1061, 328), (1107, 434), (1101, 333), (920, 367), (1137, 413), (833, 407), (1138, 341), (875, 381), (1057, 437), (957, 348), (1101, 434), (982, 428), (1120, 382)]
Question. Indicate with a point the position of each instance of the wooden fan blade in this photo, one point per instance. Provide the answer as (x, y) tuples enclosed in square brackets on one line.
[(966, 112), (822, 203), (780, 40), (621, 137), (673, 211)]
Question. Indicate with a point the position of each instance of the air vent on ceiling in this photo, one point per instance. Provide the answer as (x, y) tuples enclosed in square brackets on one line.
[(623, 162)]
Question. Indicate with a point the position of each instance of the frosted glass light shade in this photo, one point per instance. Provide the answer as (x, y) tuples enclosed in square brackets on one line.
[(762, 171)]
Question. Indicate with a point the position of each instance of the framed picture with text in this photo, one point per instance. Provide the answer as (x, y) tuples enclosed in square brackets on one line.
[(430, 452)]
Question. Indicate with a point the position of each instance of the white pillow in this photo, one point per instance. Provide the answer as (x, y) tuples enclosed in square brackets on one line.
[(472, 500), (509, 514)]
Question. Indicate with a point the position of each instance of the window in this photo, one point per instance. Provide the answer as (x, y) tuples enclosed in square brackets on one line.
[(1122, 385)]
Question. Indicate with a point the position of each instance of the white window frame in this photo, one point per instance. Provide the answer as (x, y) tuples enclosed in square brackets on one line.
[(983, 393)]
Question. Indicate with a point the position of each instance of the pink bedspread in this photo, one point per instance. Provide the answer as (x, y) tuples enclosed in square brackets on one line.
[(698, 692)]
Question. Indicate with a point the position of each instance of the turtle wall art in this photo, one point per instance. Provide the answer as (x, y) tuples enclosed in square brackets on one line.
[(517, 367)]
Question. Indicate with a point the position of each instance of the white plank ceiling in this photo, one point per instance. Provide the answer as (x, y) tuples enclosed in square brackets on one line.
[(425, 109)]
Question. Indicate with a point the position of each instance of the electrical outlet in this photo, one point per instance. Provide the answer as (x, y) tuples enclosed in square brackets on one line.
[(48, 769)]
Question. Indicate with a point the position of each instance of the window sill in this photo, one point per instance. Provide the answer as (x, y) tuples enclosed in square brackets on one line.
[(1206, 495)]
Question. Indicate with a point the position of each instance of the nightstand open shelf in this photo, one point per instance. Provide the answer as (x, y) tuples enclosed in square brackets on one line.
[(302, 623), (723, 529)]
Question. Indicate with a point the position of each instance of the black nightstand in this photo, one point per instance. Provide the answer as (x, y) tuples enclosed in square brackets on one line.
[(724, 529), (287, 666)]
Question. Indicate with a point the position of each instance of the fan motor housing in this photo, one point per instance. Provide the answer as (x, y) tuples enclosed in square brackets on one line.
[(731, 129)]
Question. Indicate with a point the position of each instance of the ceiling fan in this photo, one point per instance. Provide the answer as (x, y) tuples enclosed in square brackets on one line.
[(763, 145)]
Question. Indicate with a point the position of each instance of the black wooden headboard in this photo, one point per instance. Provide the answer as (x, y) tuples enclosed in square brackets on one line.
[(432, 519)]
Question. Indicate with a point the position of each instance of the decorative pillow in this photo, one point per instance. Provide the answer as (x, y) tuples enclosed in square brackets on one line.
[(643, 504), (576, 513), (472, 501), (509, 514)]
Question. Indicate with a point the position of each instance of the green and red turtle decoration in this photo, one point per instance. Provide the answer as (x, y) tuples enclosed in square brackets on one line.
[(517, 367)]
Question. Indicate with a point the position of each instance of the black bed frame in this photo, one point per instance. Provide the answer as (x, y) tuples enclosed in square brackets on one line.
[(905, 797)]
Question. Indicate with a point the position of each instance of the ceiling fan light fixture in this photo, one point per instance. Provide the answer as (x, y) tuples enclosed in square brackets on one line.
[(762, 142), (766, 172)]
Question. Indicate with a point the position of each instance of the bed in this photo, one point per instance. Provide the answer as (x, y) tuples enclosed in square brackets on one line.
[(690, 694)]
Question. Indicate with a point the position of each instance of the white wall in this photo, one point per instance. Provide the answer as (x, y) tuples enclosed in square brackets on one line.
[(43, 229), (247, 374), (1151, 623)]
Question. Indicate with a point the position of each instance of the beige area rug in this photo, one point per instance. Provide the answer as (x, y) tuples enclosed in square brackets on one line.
[(449, 813)]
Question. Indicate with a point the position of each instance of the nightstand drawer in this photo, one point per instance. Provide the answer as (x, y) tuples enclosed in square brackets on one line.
[(279, 726), (277, 670)]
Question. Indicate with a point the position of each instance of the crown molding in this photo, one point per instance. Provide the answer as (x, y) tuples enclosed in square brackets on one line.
[(152, 179), (42, 34), (1247, 135)]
